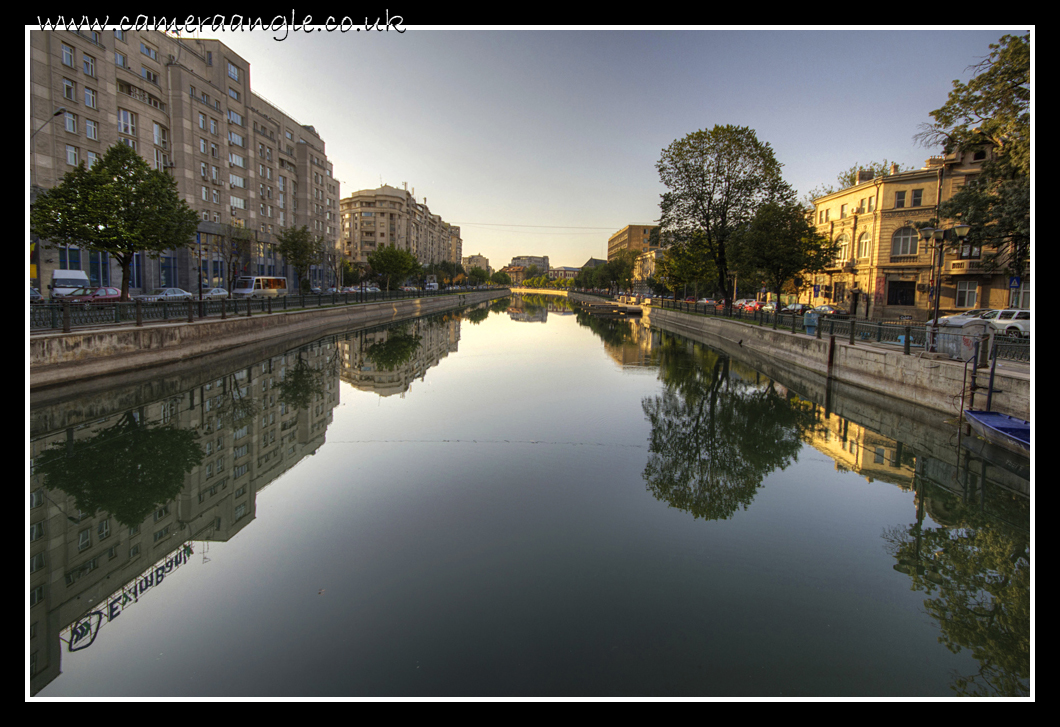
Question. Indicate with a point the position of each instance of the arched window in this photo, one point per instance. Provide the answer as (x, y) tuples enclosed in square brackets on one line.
[(864, 244), (904, 242)]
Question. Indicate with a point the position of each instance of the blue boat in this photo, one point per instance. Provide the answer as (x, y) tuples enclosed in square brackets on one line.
[(1001, 429)]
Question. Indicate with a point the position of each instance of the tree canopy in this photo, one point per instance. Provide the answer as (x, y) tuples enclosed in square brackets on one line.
[(394, 264), (992, 112), (120, 206), (716, 180), (300, 248)]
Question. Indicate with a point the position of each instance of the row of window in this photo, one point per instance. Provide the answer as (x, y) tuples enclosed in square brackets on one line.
[(914, 197), (904, 243)]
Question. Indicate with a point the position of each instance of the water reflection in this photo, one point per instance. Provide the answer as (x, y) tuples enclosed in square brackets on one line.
[(117, 503), (431, 558), (717, 431), (973, 564)]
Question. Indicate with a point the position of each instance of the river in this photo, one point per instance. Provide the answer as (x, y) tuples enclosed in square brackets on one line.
[(516, 500)]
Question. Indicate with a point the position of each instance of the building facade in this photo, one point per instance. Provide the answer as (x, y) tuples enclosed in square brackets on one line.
[(883, 269), (388, 216), (525, 261), (248, 169), (476, 261), (631, 237)]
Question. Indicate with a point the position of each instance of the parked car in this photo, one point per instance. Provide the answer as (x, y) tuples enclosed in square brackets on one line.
[(35, 296), (166, 295), (798, 308), (959, 319), (831, 310), (215, 294), (708, 301), (770, 307), (1015, 322), (95, 295), (740, 303)]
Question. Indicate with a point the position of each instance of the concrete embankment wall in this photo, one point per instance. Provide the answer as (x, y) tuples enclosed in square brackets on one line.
[(930, 382), (56, 358)]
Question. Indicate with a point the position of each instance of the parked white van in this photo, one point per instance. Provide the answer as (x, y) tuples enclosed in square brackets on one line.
[(259, 286), (65, 282)]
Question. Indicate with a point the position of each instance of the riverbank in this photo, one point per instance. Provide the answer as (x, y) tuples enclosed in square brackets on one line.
[(59, 358), (936, 383)]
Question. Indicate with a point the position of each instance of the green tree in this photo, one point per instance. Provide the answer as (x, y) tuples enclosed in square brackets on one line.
[(992, 113), (121, 206), (716, 180), (300, 248), (779, 244), (393, 264), (501, 278), (477, 276)]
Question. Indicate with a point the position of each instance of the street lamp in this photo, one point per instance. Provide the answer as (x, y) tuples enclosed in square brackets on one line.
[(938, 235)]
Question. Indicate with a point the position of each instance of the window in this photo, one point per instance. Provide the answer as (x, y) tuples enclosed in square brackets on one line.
[(69, 90), (68, 55), (36, 562), (899, 200), (148, 51), (126, 122), (36, 532), (967, 293), (233, 72), (864, 243), (89, 65), (71, 155), (235, 117), (918, 198), (904, 242), (71, 122), (842, 253), (161, 136), (90, 98), (202, 121), (91, 129), (103, 531), (233, 93), (149, 75), (844, 210), (120, 60), (84, 539)]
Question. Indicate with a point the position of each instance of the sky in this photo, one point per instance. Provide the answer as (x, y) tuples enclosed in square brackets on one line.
[(544, 141)]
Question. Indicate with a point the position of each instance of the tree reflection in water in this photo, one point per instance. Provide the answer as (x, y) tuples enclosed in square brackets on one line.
[(975, 569), (128, 469), (715, 435)]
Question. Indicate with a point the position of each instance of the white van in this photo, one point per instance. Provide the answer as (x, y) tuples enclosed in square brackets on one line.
[(65, 282), (259, 286), (431, 286)]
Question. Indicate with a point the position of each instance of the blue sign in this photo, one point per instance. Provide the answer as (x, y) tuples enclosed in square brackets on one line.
[(1014, 283)]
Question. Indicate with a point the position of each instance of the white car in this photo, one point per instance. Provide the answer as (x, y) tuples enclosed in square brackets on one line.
[(165, 295), (959, 319), (1014, 322), (215, 294)]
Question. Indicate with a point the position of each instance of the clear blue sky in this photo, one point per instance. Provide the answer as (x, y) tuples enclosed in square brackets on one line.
[(544, 142)]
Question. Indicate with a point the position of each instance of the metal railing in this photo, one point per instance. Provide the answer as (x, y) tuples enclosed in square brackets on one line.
[(910, 335), (68, 316)]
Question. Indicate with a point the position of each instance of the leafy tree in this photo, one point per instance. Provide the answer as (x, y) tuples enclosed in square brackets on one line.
[(477, 276), (716, 180), (992, 112), (501, 278), (300, 248), (393, 264), (128, 469), (781, 243), (395, 351), (121, 206), (687, 263), (236, 246)]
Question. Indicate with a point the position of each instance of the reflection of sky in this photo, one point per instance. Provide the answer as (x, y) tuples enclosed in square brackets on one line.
[(491, 533)]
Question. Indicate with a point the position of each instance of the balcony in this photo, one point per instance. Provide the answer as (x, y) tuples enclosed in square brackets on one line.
[(966, 267)]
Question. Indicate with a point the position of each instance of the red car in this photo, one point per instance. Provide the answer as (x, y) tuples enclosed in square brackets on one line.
[(96, 295), (753, 305)]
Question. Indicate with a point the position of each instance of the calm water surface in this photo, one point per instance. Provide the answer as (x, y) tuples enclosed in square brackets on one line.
[(520, 501)]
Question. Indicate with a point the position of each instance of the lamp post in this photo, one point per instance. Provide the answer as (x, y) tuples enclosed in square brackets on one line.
[(939, 235)]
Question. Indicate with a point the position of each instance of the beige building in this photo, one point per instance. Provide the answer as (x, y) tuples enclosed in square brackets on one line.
[(476, 261), (645, 267), (248, 168), (630, 237), (388, 216), (883, 269)]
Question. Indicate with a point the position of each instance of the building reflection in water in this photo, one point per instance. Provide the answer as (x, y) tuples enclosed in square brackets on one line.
[(720, 427), (120, 503)]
